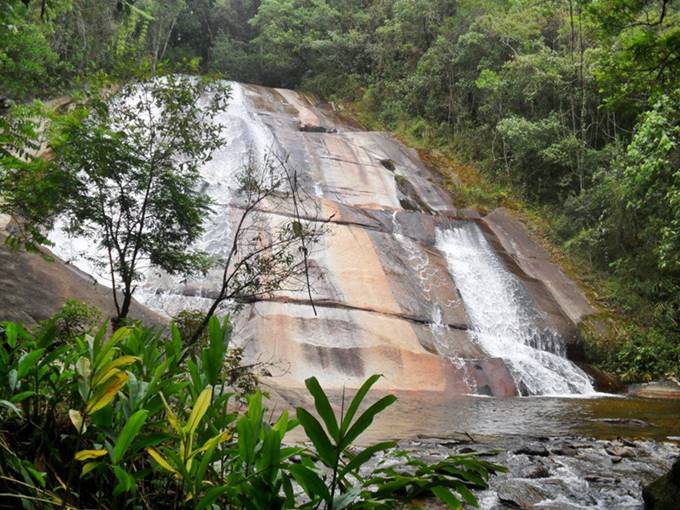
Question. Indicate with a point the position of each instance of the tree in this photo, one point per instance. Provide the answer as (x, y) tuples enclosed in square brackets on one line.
[(272, 238), (26, 59), (29, 194), (133, 162), (640, 50)]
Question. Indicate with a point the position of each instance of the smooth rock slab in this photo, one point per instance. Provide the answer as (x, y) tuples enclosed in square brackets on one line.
[(342, 347)]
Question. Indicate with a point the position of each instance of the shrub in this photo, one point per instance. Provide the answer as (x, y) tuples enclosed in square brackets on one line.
[(124, 422)]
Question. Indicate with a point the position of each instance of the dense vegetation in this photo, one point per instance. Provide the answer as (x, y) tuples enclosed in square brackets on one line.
[(570, 106), (143, 420)]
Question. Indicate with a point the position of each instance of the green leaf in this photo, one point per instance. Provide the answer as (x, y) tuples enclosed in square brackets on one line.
[(22, 396), (323, 407), (200, 408), (89, 467), (27, 362), (469, 498), (211, 496), (363, 457), (127, 435), (126, 481), (11, 333), (357, 400), (364, 421), (445, 496), (317, 436), (203, 465), (310, 482), (106, 351), (246, 439)]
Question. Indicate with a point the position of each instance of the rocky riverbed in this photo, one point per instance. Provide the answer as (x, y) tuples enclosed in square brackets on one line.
[(565, 473)]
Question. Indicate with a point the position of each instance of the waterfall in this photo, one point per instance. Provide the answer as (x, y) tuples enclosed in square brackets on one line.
[(246, 136), (505, 321)]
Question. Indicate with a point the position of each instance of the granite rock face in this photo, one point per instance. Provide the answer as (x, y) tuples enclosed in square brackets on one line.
[(384, 292), (35, 286)]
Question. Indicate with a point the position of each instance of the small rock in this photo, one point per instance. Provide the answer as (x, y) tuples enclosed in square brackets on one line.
[(620, 451), (519, 494), (623, 421), (615, 460), (532, 451), (657, 389), (599, 479), (565, 451), (539, 471)]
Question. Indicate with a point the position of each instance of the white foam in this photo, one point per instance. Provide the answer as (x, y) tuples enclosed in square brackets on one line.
[(246, 137), (505, 321)]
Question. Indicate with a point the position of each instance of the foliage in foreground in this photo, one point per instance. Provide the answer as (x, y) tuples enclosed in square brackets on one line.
[(121, 422)]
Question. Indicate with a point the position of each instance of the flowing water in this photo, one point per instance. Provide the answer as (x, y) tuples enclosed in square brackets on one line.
[(505, 321), (246, 139)]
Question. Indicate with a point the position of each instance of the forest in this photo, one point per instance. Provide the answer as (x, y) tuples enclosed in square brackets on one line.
[(567, 111)]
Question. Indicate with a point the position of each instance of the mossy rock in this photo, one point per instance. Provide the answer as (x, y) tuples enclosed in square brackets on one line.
[(600, 335), (664, 493)]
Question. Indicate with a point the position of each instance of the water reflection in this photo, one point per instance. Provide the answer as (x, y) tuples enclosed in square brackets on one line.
[(420, 414)]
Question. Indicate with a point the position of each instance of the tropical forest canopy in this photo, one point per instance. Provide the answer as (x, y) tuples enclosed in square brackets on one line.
[(572, 107)]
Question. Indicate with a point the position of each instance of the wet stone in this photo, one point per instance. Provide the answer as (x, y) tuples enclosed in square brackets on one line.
[(519, 494), (538, 471), (620, 451), (577, 472), (565, 451), (532, 451)]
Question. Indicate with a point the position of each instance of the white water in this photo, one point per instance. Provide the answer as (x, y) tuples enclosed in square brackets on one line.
[(246, 137), (505, 321)]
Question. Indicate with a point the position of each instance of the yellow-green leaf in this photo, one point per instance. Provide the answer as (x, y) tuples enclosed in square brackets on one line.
[(77, 420), (89, 454), (105, 377), (213, 441), (161, 460), (172, 418), (106, 392), (89, 467), (200, 408), (107, 348), (83, 368), (110, 368)]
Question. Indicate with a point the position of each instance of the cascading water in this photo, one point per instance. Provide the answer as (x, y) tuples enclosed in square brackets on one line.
[(246, 138), (505, 321)]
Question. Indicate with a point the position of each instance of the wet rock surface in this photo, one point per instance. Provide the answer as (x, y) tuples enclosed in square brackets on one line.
[(386, 297), (657, 389), (561, 473), (34, 287), (664, 493)]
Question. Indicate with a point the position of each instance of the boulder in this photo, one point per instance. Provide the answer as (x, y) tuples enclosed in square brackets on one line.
[(656, 389), (34, 287), (520, 494), (664, 493)]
